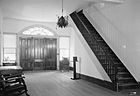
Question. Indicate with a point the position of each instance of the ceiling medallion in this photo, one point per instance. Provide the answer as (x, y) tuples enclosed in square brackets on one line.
[(62, 20)]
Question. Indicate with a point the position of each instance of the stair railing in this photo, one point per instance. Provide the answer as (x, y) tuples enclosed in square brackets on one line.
[(103, 50)]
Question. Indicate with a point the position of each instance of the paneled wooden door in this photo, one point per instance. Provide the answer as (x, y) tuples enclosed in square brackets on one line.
[(38, 53)]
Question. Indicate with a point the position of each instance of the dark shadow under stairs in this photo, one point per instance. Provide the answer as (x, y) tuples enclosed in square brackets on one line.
[(120, 76)]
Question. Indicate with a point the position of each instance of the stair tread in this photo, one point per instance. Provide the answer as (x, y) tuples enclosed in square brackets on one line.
[(118, 63), (123, 73), (124, 78), (127, 84), (121, 67)]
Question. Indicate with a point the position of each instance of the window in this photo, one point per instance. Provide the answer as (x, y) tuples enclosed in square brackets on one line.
[(64, 44), (9, 49), (38, 31)]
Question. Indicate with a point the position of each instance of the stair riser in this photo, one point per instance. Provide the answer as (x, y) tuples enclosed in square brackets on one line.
[(126, 81), (122, 70), (123, 75), (128, 87)]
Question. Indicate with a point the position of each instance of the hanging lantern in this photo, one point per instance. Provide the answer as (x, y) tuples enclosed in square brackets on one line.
[(63, 20)]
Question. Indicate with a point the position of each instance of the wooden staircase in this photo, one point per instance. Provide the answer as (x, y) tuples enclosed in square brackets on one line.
[(121, 78)]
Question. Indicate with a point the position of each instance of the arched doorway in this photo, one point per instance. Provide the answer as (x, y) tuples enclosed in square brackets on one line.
[(38, 48)]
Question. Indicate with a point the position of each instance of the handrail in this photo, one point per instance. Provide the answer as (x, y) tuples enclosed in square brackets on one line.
[(99, 45)]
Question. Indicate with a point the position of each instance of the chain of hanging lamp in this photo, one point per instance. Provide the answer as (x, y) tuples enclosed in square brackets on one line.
[(62, 7), (62, 21)]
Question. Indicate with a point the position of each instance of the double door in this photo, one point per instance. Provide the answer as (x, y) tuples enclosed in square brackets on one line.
[(38, 53)]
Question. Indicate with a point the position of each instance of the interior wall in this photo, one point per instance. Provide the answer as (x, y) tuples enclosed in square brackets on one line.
[(72, 47), (119, 26), (87, 62), (11, 25), (1, 36), (16, 25)]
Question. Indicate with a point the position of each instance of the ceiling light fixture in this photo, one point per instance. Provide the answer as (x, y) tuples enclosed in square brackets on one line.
[(62, 20)]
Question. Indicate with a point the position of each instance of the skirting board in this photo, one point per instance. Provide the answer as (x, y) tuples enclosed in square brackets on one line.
[(71, 68), (139, 83), (97, 81)]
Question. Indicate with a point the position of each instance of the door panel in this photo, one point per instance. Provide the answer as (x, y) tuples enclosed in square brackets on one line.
[(50, 53), (26, 59), (38, 61), (38, 53)]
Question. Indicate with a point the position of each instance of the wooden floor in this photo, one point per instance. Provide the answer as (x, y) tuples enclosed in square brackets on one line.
[(55, 83)]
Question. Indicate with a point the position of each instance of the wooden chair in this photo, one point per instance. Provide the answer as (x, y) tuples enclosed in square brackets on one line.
[(12, 82), (64, 64)]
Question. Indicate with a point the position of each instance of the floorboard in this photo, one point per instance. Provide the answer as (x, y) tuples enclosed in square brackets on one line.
[(56, 83)]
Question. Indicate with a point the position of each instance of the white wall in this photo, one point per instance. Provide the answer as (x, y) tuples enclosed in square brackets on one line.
[(120, 26), (16, 25), (87, 62), (11, 25), (0, 35)]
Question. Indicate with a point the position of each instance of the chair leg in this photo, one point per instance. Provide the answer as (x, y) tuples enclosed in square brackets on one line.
[(25, 87), (27, 94)]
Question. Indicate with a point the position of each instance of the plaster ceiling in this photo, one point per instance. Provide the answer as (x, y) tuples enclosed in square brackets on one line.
[(41, 10)]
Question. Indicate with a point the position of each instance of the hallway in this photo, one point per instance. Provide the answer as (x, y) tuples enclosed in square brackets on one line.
[(55, 83)]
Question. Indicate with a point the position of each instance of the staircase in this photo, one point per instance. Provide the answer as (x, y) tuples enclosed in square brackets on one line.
[(121, 78)]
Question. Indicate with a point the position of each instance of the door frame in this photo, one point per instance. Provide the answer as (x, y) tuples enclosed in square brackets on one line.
[(60, 49), (20, 34)]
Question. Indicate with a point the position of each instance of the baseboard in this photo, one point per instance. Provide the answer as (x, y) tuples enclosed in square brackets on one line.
[(71, 68), (139, 83), (97, 81)]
